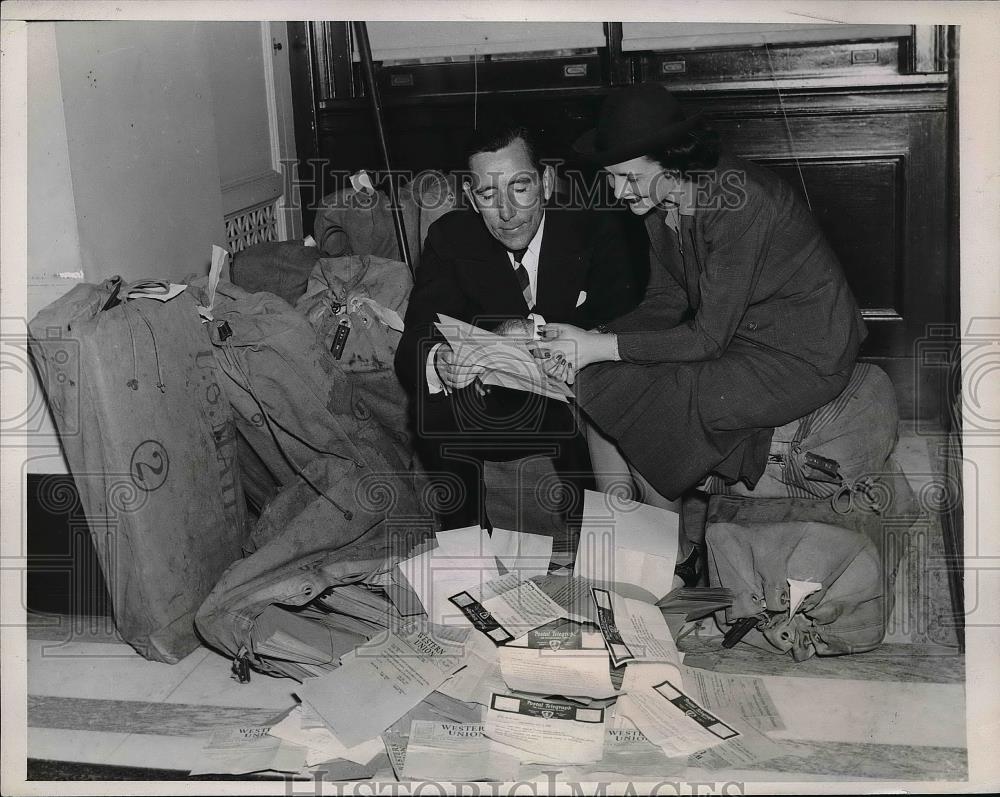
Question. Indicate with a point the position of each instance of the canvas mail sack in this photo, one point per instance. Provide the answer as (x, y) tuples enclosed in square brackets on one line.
[(766, 549), (279, 267), (291, 400), (365, 295), (837, 443), (829, 510), (343, 521), (149, 438), (356, 304)]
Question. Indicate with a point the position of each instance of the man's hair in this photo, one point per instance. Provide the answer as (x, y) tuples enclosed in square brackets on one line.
[(498, 132), (698, 152)]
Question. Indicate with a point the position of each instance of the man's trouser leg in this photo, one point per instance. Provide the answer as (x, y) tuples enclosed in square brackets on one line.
[(458, 432)]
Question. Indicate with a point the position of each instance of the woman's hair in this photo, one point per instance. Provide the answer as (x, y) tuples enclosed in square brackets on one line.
[(697, 153)]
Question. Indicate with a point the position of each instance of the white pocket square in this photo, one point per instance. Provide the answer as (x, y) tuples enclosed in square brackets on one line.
[(581, 298)]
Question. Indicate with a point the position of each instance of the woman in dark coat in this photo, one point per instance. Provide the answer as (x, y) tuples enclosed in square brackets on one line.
[(747, 323)]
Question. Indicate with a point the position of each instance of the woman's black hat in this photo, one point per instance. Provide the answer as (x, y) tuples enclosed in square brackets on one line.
[(635, 121)]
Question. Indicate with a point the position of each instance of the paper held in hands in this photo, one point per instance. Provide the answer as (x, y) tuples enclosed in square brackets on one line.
[(627, 546), (507, 361)]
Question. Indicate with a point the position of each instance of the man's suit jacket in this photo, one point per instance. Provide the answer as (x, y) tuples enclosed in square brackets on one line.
[(466, 273)]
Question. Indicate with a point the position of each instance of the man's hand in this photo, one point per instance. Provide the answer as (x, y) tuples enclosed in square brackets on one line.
[(455, 374), (566, 349)]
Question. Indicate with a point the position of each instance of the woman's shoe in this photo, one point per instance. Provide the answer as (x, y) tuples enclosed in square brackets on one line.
[(689, 570)]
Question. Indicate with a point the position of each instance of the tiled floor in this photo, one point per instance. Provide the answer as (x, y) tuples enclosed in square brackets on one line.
[(894, 714)]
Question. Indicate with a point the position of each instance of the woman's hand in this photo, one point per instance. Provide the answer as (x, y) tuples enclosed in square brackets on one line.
[(571, 348)]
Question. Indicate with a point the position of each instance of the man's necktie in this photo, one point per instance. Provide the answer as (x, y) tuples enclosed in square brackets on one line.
[(522, 276)]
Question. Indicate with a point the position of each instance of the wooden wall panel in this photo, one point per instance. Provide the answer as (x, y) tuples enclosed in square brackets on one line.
[(858, 203), (877, 180)]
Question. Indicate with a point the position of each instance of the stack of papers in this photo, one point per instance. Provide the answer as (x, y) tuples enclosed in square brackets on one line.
[(384, 679), (696, 602), (360, 602), (555, 663), (302, 643), (508, 669)]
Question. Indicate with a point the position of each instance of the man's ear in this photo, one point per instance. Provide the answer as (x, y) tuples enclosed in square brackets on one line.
[(467, 189), (548, 181)]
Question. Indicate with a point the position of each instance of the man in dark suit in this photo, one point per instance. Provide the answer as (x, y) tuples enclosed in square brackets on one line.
[(509, 260)]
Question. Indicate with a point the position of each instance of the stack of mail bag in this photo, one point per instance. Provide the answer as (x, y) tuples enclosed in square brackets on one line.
[(149, 439), (338, 501), (812, 551)]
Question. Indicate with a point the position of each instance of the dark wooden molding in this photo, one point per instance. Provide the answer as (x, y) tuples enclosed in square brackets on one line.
[(851, 61), (619, 65), (306, 110), (340, 60), (908, 95), (554, 75), (954, 179), (926, 51)]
